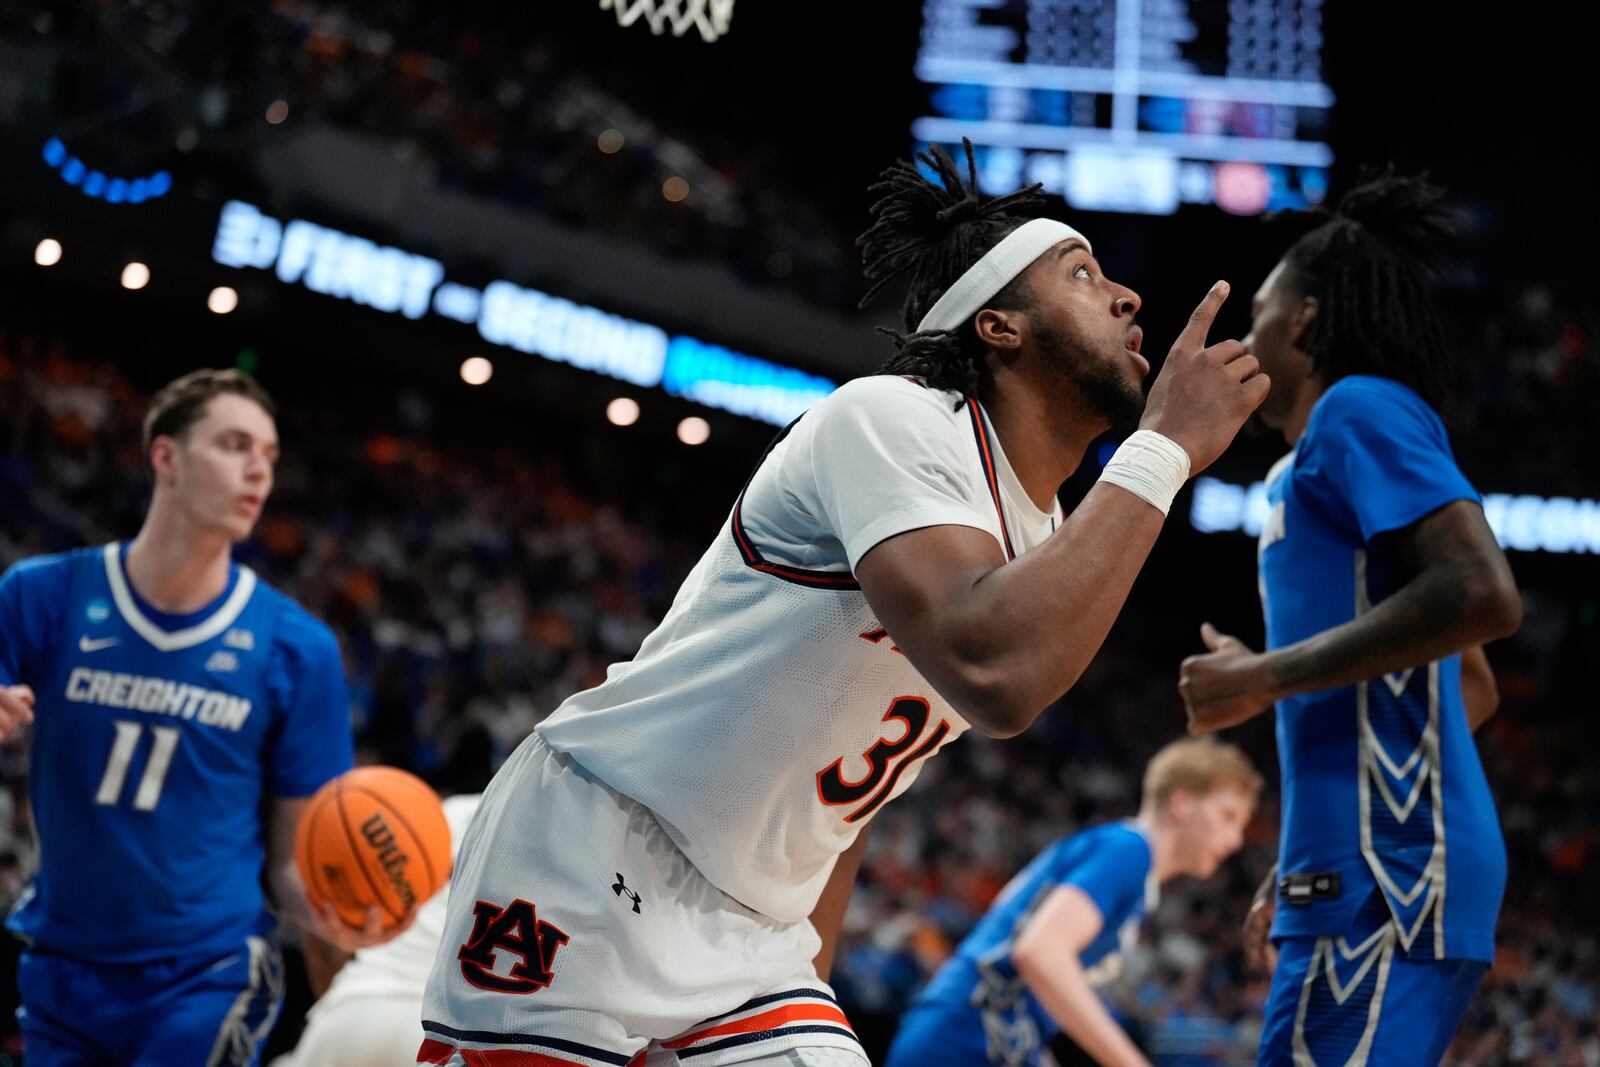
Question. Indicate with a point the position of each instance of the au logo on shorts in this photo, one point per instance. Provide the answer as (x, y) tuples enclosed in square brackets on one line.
[(516, 929)]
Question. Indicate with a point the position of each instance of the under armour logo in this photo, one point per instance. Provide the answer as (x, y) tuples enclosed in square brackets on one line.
[(621, 888)]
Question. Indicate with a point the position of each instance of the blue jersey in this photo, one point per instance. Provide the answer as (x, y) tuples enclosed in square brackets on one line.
[(158, 741), (1382, 785), (1111, 864)]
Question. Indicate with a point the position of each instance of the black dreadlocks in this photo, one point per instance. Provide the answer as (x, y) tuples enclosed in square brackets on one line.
[(936, 232), (1368, 263)]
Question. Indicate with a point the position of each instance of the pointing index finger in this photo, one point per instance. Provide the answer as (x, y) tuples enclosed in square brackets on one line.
[(1199, 325)]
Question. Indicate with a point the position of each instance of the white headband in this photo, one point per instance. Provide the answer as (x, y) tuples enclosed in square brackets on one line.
[(966, 297)]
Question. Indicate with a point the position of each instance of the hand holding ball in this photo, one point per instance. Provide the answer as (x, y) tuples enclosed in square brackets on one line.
[(374, 836)]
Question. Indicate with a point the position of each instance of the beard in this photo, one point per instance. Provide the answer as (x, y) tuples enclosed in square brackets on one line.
[(1103, 386)]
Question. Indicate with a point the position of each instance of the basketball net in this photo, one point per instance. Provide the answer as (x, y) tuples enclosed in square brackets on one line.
[(710, 17)]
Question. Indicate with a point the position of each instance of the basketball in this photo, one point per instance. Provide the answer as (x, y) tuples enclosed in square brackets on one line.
[(374, 835)]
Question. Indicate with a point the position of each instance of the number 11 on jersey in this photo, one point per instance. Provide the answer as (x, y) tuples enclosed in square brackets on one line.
[(155, 769)]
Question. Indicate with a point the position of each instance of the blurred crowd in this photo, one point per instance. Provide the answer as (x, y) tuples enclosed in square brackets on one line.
[(473, 106), (1529, 395)]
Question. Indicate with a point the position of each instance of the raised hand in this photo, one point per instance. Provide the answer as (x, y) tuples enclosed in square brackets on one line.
[(1224, 686), (1203, 395)]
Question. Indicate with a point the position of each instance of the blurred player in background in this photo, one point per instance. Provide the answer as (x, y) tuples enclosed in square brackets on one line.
[(1380, 581), (670, 854), (182, 713), (1031, 967)]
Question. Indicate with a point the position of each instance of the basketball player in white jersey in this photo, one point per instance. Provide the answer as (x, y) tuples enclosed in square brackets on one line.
[(667, 859)]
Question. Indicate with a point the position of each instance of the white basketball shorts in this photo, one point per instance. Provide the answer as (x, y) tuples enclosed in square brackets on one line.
[(577, 933), (359, 1031)]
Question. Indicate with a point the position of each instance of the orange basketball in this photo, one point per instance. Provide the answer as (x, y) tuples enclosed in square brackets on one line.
[(374, 835)]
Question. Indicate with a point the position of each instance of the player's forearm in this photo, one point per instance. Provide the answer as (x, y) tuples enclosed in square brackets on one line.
[(1026, 631), (1479, 693), (1437, 614), (828, 916), (323, 962), (322, 959), (283, 873), (288, 894), (1259, 952), (1064, 991)]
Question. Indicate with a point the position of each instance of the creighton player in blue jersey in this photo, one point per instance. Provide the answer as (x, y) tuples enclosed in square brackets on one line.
[(1031, 966), (1380, 583), (182, 712)]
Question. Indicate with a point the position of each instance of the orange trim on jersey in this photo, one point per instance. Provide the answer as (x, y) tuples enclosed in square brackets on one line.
[(980, 430), (877, 636), (435, 1051), (768, 1020), (438, 1052), (756, 561), (513, 1057)]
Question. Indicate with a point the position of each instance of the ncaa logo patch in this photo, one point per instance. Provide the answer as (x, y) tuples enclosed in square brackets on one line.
[(222, 660), (97, 610)]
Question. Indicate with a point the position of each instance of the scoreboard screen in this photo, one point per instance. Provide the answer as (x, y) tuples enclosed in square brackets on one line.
[(1133, 105)]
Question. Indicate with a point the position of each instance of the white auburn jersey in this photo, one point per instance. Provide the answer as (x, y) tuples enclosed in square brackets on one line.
[(770, 716)]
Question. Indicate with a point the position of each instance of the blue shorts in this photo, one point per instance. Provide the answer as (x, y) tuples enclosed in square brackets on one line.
[(1359, 999), (941, 1035), (166, 1013), (956, 1035)]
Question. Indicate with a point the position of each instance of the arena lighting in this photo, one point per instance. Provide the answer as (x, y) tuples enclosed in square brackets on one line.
[(277, 111), (675, 189), (222, 300), (623, 411), (475, 370), (394, 281), (47, 253), (1521, 522), (694, 430), (135, 275), (719, 378), (610, 141), (110, 188)]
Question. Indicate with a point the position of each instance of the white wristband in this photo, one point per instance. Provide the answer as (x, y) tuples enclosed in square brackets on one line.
[(1150, 466)]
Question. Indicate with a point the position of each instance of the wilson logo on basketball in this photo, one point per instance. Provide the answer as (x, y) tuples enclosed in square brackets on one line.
[(374, 837), (393, 861)]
